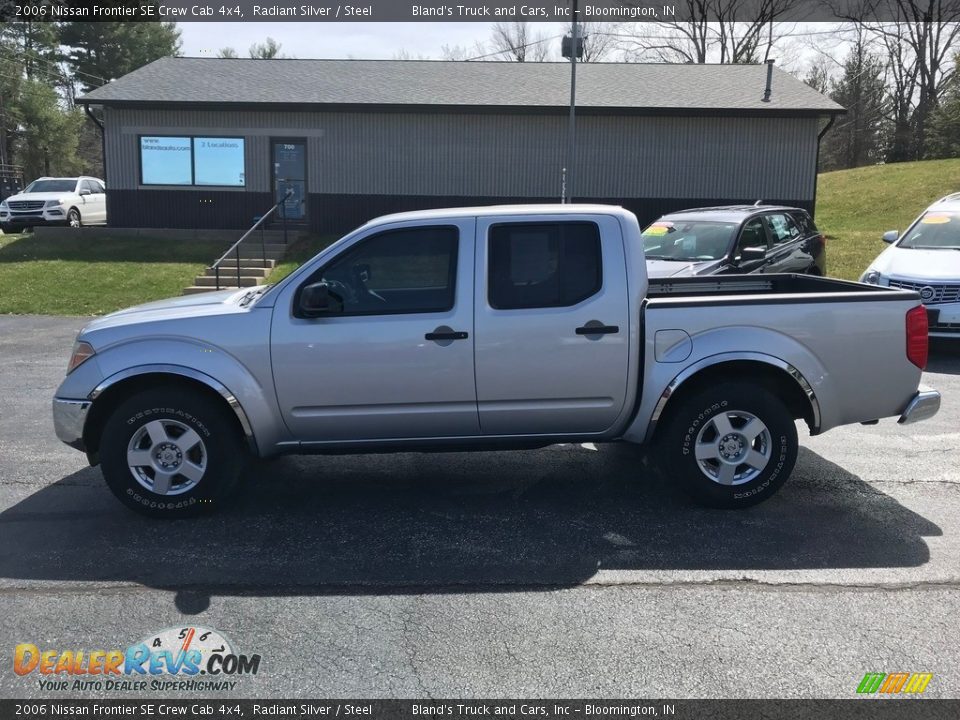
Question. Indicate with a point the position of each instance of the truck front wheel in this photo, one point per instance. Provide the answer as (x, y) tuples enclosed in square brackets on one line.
[(167, 452), (731, 446)]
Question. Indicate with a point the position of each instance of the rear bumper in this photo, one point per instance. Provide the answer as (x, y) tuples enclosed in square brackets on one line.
[(69, 417), (924, 405)]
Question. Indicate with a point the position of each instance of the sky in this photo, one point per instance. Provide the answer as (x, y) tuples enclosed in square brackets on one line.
[(342, 39)]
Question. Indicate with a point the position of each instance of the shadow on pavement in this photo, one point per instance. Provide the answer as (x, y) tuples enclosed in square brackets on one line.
[(452, 523), (944, 356)]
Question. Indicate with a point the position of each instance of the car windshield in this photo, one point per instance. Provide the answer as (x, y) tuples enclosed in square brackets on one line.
[(688, 240), (59, 185), (936, 230)]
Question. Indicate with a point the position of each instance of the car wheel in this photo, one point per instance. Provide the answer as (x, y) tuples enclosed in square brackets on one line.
[(731, 446), (73, 218), (171, 453)]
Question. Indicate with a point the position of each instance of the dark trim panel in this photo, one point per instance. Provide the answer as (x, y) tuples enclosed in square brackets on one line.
[(330, 213), (188, 208), (337, 214)]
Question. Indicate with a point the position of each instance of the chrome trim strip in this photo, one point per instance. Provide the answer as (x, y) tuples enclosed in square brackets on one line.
[(184, 372), (922, 406), (706, 362)]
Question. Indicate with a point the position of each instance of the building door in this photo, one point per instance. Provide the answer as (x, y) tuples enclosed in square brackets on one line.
[(290, 173)]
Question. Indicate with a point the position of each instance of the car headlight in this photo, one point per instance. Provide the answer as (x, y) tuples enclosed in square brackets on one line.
[(3, 204), (82, 351), (53, 203), (871, 276)]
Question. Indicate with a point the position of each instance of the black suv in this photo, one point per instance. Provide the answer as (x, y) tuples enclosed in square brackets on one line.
[(734, 239)]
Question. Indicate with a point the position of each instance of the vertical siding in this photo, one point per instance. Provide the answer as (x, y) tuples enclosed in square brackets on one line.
[(515, 156)]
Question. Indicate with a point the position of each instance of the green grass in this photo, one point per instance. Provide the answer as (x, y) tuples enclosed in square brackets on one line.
[(95, 276), (855, 207), (299, 253)]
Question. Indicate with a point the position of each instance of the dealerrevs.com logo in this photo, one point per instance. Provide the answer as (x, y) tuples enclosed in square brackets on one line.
[(190, 658)]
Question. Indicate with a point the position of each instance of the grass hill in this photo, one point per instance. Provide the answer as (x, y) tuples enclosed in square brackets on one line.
[(855, 207)]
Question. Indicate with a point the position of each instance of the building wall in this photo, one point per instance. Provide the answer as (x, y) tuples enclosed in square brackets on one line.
[(362, 164)]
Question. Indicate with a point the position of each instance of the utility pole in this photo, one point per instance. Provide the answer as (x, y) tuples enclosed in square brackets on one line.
[(572, 131)]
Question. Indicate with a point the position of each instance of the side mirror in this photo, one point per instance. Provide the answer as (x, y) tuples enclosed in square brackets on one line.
[(751, 254), (317, 300), (890, 236), (84, 191)]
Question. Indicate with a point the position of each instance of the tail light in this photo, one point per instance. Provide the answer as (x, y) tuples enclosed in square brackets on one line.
[(917, 343)]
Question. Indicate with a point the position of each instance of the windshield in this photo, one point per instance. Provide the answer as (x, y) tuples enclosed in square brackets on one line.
[(938, 230), (691, 240), (38, 186)]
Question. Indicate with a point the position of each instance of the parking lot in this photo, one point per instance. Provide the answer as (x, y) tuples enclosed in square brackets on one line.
[(571, 571)]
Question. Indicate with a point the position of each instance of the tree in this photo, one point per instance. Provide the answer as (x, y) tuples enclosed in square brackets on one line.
[(599, 40), (513, 41), (48, 135), (227, 52), (920, 42), (944, 136), (103, 51), (269, 49), (857, 138), (725, 31)]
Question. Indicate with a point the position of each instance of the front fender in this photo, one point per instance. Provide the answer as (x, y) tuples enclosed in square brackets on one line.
[(253, 402)]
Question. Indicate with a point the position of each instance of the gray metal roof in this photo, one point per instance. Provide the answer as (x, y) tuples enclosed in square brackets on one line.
[(608, 86)]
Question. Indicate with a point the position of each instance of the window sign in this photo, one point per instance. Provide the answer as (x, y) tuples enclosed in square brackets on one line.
[(165, 161), (218, 161)]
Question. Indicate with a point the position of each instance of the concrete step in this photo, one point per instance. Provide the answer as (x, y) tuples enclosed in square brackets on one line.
[(249, 262), (227, 281), (231, 272), (194, 289)]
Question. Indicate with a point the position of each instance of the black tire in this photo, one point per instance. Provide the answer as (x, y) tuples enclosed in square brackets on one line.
[(219, 451), (73, 218), (695, 416)]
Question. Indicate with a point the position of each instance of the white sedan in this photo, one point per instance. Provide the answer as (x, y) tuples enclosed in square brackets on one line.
[(72, 201), (926, 258)]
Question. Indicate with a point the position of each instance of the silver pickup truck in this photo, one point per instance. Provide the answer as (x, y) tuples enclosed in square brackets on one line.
[(488, 328)]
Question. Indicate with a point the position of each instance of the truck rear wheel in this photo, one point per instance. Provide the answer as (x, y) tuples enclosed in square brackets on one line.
[(167, 452), (732, 445)]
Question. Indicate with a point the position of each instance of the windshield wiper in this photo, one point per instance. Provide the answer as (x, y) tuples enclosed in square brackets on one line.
[(931, 247)]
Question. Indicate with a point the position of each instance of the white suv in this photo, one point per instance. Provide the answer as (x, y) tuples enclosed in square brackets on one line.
[(56, 201), (926, 258)]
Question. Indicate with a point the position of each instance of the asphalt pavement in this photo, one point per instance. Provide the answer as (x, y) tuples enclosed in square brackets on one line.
[(571, 571)]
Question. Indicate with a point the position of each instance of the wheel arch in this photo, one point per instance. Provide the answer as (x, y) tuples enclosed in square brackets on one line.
[(770, 372), (118, 387)]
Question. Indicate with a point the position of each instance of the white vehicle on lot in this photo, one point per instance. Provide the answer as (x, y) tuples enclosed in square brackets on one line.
[(55, 201), (926, 259), (488, 328)]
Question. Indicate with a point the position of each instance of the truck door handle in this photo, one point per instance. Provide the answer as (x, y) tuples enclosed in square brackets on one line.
[(597, 329), (445, 333)]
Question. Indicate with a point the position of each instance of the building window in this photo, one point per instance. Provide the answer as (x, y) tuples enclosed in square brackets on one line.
[(543, 264), (207, 161), (166, 161)]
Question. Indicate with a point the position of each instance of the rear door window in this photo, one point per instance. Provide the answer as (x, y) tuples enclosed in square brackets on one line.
[(783, 228), (543, 264)]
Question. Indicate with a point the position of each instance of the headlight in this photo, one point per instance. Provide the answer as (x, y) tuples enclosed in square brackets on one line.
[(82, 351), (871, 276), (3, 204), (54, 203)]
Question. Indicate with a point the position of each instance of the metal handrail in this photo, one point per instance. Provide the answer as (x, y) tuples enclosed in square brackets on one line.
[(235, 248)]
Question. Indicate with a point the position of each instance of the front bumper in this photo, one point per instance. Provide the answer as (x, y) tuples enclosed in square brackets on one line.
[(923, 406), (69, 417), (55, 216)]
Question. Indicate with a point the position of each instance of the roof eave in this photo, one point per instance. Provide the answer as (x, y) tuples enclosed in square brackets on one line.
[(487, 109)]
